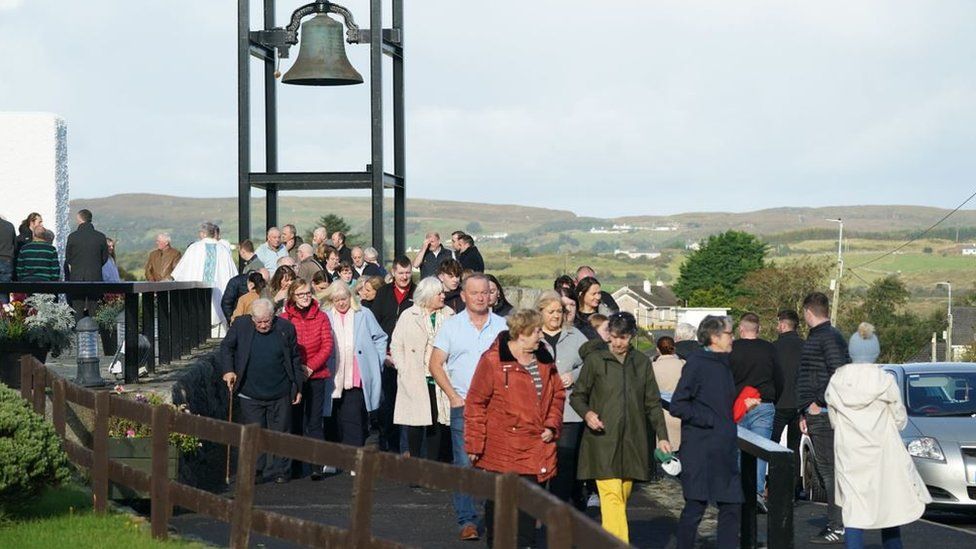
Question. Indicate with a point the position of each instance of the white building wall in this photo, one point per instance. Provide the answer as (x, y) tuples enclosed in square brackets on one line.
[(34, 171)]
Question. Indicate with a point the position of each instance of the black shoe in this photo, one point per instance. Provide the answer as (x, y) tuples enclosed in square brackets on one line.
[(316, 475), (281, 479), (828, 536)]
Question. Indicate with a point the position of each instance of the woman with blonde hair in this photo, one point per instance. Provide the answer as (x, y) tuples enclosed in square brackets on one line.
[(563, 341), (864, 346), (359, 348), (421, 406)]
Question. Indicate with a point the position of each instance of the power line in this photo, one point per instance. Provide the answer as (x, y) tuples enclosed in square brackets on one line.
[(916, 237)]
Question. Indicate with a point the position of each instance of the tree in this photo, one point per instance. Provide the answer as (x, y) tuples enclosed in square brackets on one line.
[(334, 223), (520, 250), (775, 287), (473, 227), (721, 263)]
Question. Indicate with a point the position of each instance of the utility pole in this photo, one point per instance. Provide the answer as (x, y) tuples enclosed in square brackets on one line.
[(835, 302), (948, 336)]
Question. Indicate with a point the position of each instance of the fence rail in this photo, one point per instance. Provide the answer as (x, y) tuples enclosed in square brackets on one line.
[(566, 527)]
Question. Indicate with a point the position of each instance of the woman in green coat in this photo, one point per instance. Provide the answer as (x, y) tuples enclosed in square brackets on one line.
[(616, 394)]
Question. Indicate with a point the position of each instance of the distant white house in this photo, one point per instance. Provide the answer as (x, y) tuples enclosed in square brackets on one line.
[(694, 246), (637, 255), (969, 251), (653, 305), (694, 315)]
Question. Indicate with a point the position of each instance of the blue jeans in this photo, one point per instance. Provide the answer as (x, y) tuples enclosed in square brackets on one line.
[(890, 538), (464, 504), (759, 420)]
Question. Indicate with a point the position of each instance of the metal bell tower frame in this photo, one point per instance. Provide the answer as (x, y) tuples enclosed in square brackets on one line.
[(262, 45)]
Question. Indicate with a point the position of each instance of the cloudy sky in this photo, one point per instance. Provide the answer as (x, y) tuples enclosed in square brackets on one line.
[(602, 108)]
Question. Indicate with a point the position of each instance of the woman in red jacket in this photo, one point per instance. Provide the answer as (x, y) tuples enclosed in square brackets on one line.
[(514, 411), (315, 346)]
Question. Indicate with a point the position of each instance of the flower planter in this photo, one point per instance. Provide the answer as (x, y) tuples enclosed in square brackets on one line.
[(10, 355), (109, 341), (137, 453)]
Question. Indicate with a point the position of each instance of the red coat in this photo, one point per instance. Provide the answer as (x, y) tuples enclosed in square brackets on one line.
[(504, 416), (314, 337)]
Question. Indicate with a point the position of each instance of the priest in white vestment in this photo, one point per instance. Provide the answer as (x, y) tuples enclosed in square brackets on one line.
[(207, 260)]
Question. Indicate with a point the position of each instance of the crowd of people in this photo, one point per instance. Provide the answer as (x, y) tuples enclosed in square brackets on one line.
[(324, 342)]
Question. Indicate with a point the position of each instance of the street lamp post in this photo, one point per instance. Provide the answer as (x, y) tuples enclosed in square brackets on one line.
[(835, 302), (948, 337)]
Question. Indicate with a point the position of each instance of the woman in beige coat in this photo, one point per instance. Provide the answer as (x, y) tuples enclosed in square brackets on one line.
[(421, 406), (667, 371), (875, 478)]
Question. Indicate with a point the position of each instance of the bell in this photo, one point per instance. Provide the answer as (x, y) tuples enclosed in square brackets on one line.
[(322, 58)]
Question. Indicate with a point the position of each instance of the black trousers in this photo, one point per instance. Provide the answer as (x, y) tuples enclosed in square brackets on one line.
[(789, 419), (352, 419), (276, 416), (526, 523), (822, 436), (389, 432), (433, 435), (307, 418), (729, 518), (565, 485)]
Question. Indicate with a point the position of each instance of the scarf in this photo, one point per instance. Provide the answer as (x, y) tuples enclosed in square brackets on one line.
[(347, 371)]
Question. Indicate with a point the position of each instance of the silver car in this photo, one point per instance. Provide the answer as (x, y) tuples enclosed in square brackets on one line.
[(940, 398), (941, 434)]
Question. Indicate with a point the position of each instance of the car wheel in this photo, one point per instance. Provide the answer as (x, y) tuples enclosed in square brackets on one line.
[(812, 481)]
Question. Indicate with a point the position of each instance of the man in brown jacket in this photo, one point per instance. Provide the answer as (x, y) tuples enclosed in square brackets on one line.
[(162, 260)]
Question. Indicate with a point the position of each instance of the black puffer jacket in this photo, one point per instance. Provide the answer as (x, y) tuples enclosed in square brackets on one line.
[(824, 351)]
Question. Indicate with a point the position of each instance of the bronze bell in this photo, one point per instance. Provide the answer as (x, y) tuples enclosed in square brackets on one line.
[(322, 58)]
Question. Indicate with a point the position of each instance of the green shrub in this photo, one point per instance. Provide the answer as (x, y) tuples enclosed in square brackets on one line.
[(31, 457)]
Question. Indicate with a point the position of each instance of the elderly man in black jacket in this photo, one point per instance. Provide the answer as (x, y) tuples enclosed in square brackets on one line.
[(789, 347), (824, 351), (260, 359), (84, 255)]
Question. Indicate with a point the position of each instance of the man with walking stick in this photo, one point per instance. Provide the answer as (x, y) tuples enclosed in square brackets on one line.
[(260, 360)]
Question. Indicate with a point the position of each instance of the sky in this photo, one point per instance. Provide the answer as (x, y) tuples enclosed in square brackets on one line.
[(625, 107)]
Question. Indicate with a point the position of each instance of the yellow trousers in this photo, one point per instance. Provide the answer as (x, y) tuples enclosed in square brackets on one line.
[(614, 493)]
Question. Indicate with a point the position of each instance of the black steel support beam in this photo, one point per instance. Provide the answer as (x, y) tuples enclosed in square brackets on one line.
[(376, 117), (243, 122), (130, 367), (399, 139), (165, 328), (270, 123), (149, 327)]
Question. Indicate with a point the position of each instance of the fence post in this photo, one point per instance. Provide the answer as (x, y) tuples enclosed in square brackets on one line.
[(26, 382), (40, 380), (99, 471), (367, 463), (559, 528), (506, 511), (57, 407), (747, 536), (240, 516), (159, 480), (779, 526)]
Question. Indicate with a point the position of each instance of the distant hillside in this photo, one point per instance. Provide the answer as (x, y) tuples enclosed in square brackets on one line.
[(136, 218)]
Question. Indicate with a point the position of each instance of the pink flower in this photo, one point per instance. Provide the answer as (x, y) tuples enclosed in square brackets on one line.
[(131, 433)]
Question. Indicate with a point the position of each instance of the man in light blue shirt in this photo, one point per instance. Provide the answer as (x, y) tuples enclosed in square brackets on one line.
[(272, 250), (458, 347)]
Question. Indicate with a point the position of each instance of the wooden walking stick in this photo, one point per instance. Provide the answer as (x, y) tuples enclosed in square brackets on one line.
[(230, 419)]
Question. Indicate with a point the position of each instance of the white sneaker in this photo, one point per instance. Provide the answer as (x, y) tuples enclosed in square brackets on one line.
[(593, 500)]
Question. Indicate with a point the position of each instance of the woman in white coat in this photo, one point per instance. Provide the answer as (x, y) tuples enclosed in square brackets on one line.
[(421, 406), (875, 479)]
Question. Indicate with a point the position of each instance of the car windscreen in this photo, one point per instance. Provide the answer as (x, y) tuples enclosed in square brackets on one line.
[(941, 394)]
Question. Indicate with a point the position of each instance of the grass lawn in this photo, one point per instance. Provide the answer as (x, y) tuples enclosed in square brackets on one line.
[(63, 517)]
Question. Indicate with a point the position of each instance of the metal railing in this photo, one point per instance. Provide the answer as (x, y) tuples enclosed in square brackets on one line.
[(183, 310), (565, 526)]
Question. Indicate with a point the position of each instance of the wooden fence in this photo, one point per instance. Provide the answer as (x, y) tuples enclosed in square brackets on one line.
[(566, 527)]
